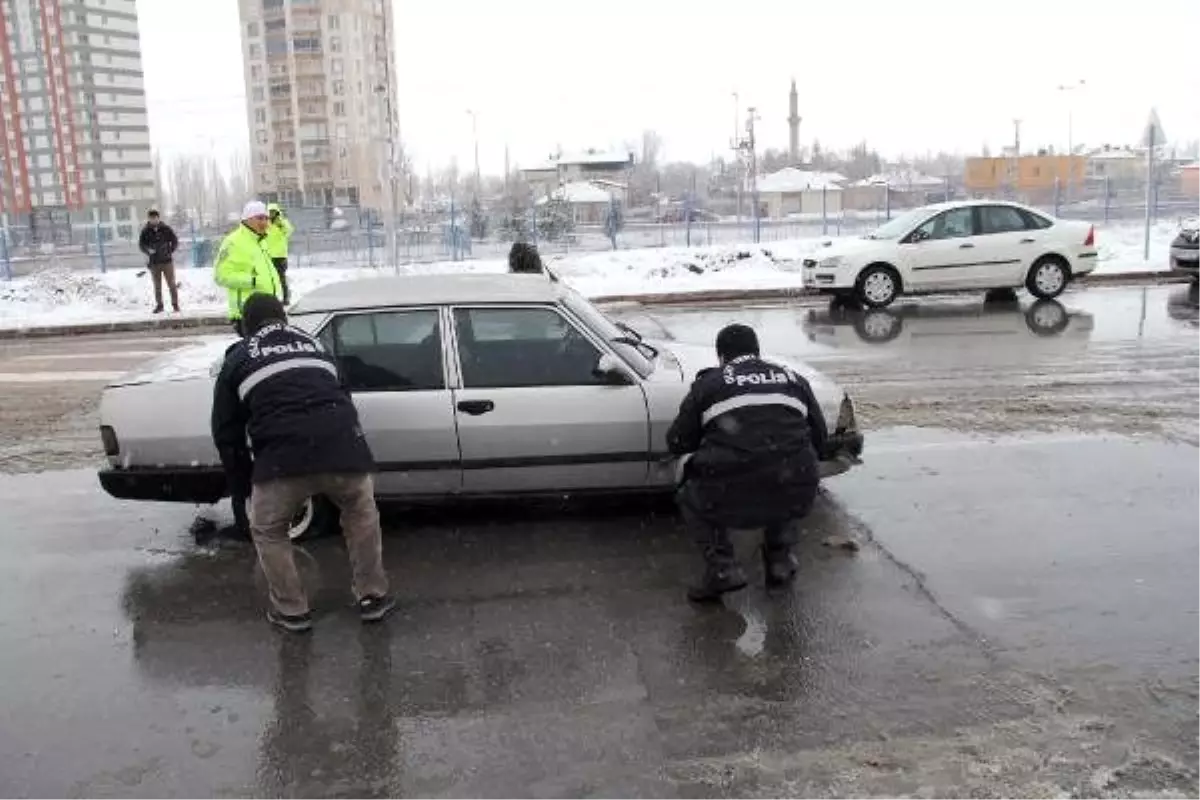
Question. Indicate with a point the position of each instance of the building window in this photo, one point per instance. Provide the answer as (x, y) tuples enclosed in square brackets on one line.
[(334, 22), (260, 116), (261, 136), (275, 25), (125, 231), (256, 72), (306, 44), (258, 94), (255, 51), (339, 87), (122, 213), (339, 109), (335, 66), (335, 44), (252, 29)]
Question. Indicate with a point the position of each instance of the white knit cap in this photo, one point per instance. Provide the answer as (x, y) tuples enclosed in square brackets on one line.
[(254, 208)]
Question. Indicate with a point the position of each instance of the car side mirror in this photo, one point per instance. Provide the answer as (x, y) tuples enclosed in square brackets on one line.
[(918, 236), (610, 371)]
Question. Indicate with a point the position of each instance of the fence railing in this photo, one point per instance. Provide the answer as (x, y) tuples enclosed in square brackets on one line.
[(353, 238)]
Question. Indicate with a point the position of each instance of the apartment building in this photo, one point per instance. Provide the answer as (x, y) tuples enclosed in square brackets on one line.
[(321, 99), (74, 134)]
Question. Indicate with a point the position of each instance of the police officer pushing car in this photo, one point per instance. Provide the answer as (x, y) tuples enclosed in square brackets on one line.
[(751, 431)]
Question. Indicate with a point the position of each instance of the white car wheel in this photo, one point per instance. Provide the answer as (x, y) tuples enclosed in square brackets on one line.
[(878, 287), (303, 523), (1048, 278)]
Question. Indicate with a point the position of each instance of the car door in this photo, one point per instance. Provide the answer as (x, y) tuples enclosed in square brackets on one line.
[(532, 413), (943, 252), (1010, 245), (394, 364)]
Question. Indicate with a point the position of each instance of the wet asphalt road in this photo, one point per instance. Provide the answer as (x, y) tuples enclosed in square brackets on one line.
[(1022, 618)]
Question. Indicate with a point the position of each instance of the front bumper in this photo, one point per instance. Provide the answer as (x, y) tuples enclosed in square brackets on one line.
[(818, 277), (199, 485), (1185, 259)]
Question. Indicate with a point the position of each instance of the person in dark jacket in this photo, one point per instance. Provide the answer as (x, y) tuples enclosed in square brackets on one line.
[(159, 243), (751, 431), (280, 389)]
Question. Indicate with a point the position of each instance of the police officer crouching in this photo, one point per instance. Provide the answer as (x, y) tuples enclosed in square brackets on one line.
[(278, 387), (753, 431)]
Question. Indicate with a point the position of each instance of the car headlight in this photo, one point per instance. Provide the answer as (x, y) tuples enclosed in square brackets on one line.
[(833, 262)]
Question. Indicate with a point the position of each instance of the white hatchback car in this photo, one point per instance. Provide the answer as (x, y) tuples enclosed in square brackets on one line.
[(974, 244)]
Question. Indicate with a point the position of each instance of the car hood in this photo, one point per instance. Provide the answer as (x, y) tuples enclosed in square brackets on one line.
[(693, 358), (849, 247), (194, 361)]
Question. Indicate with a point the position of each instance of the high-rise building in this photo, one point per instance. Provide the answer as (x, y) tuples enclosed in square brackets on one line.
[(321, 99), (74, 135)]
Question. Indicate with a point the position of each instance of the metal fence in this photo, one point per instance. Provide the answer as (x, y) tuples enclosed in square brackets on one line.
[(351, 237)]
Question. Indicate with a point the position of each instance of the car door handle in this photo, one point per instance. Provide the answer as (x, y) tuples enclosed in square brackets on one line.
[(476, 407), (965, 246), (1028, 241)]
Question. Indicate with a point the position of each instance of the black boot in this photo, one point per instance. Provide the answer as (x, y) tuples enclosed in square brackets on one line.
[(779, 565), (717, 582)]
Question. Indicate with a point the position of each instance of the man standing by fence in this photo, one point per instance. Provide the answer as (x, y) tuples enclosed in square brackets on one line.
[(243, 267), (279, 232), (159, 243)]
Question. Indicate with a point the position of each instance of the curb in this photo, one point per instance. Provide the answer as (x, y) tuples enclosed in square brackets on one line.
[(660, 299)]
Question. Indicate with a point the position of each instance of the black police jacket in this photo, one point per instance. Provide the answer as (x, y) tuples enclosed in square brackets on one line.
[(280, 389), (754, 429)]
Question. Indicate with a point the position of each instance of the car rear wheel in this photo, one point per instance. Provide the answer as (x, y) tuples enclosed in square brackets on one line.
[(1048, 278), (316, 518), (1047, 318), (878, 286)]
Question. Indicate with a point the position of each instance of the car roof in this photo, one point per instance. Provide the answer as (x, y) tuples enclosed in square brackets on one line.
[(428, 290), (978, 202)]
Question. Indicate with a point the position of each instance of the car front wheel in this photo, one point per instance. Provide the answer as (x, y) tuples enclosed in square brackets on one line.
[(878, 286), (1048, 278)]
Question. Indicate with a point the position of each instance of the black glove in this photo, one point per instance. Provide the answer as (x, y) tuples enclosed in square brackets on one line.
[(843, 443)]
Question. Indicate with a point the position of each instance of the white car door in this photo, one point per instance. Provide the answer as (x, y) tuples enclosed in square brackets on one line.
[(532, 413), (1010, 244), (395, 366), (943, 252)]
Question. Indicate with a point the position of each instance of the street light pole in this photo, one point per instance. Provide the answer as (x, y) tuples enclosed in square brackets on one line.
[(736, 144), (475, 138), (1067, 89)]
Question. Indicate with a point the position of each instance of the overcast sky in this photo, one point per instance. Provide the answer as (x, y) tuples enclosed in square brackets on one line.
[(907, 77)]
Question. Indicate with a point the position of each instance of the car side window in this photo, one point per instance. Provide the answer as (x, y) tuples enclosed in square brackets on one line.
[(1000, 219), (952, 224), (1034, 222), (522, 347), (390, 351)]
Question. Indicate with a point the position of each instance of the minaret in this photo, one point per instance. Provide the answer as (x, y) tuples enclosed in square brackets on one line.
[(793, 125)]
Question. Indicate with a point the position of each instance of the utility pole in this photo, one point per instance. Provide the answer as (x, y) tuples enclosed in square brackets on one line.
[(746, 150), (388, 173), (737, 164), (1014, 168), (506, 171)]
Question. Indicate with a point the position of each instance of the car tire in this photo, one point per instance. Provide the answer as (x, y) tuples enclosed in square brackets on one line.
[(878, 286), (1047, 318), (1048, 277), (878, 326), (317, 518)]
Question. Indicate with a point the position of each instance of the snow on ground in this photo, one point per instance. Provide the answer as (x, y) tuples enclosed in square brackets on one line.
[(64, 297)]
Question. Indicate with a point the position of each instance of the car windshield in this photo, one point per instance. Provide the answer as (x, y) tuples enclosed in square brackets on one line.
[(902, 224), (624, 339)]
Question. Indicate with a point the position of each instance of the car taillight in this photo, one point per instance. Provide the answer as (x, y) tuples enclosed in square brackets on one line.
[(1090, 241), (109, 437)]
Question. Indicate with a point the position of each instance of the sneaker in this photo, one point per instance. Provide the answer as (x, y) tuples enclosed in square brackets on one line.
[(373, 609), (716, 583), (294, 623), (779, 567), (157, 310)]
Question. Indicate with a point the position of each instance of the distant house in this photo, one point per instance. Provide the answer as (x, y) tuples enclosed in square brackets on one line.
[(792, 190), (591, 165), (1117, 163), (1189, 179), (590, 201), (908, 189)]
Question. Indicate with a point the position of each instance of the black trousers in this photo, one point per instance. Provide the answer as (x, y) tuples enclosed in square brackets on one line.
[(710, 529), (281, 267)]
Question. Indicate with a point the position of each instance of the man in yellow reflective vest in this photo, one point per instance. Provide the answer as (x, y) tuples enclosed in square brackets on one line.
[(243, 267), (279, 232)]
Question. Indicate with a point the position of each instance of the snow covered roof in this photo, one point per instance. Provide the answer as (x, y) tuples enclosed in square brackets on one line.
[(901, 179), (1191, 166), (579, 192), (791, 179), (589, 157), (1120, 154)]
